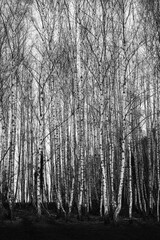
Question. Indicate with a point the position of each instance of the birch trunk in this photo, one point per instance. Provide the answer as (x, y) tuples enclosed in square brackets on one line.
[(12, 145), (40, 152), (124, 89)]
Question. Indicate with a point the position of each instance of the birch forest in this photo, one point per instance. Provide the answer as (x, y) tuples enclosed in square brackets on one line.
[(80, 107)]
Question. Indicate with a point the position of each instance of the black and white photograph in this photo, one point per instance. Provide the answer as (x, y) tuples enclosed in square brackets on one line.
[(79, 119)]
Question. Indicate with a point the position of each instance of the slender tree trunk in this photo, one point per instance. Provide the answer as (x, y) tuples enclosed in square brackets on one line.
[(12, 145), (124, 86), (40, 153)]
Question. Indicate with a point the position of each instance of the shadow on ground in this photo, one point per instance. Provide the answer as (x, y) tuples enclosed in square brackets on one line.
[(26, 229)]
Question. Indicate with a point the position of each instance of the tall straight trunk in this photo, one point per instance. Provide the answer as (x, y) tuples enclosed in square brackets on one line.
[(30, 147), (81, 106), (17, 190), (112, 139), (57, 166), (157, 121), (52, 165), (72, 149), (3, 147), (22, 139), (3, 160), (147, 105), (158, 177), (1, 157), (12, 144), (130, 170), (124, 89), (40, 153), (103, 167)]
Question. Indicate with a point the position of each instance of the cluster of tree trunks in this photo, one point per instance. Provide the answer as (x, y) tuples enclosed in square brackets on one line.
[(79, 106)]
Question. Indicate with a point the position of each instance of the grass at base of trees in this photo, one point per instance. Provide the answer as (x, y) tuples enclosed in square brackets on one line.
[(27, 225)]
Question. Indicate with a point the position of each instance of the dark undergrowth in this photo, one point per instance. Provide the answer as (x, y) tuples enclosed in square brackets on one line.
[(51, 226)]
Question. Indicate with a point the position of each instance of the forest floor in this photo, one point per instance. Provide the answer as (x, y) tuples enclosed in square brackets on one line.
[(29, 227)]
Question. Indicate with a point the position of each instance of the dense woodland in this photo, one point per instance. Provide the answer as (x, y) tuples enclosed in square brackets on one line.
[(80, 106)]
